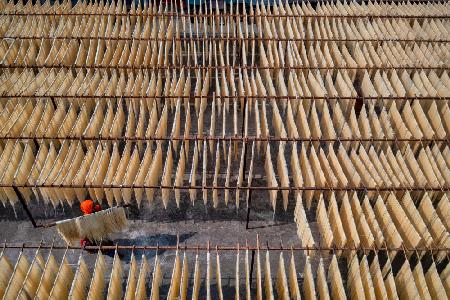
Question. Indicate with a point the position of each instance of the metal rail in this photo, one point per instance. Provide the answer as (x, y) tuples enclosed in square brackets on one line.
[(248, 67), (224, 14), (209, 187), (193, 97), (231, 138), (220, 39), (208, 247)]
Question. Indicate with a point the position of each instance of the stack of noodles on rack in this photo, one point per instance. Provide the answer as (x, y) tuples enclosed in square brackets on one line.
[(370, 274), (68, 170), (389, 220), (312, 105), (129, 105), (94, 227)]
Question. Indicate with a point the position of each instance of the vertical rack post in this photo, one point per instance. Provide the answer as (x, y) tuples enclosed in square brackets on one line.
[(244, 143)]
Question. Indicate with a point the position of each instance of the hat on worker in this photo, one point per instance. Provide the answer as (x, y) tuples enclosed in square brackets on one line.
[(87, 206)]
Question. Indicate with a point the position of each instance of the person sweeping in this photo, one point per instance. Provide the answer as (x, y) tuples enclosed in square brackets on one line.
[(88, 207), (94, 226)]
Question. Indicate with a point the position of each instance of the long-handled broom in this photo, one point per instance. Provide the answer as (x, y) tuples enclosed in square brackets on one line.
[(93, 227)]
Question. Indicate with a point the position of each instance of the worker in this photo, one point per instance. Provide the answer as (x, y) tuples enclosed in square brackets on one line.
[(89, 207)]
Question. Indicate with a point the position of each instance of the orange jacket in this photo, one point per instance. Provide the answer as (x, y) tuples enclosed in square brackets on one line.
[(88, 207)]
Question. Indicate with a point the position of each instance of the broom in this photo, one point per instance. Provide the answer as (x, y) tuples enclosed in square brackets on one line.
[(94, 227)]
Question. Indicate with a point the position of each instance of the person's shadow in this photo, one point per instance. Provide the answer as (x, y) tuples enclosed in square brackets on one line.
[(150, 240)]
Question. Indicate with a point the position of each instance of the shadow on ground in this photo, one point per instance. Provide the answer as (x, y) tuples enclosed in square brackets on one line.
[(157, 239)]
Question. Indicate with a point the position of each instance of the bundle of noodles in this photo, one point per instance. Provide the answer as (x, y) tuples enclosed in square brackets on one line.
[(445, 278), (268, 278), (309, 289), (293, 282), (434, 283), (247, 275), (94, 227), (47, 279), (184, 278), (167, 176), (389, 281), (322, 281), (197, 282), (179, 175), (271, 179), (97, 286), (377, 279), (259, 291), (303, 229), (219, 277), (17, 278), (208, 276), (282, 283), (176, 278), (354, 284), (216, 174), (130, 288), (366, 278), (334, 276), (419, 279), (80, 281), (156, 280), (142, 278), (405, 284), (323, 223), (32, 278), (63, 281), (115, 283), (204, 169), (6, 269)]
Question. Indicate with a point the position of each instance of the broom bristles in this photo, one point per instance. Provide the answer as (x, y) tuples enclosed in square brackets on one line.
[(94, 227), (68, 230)]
